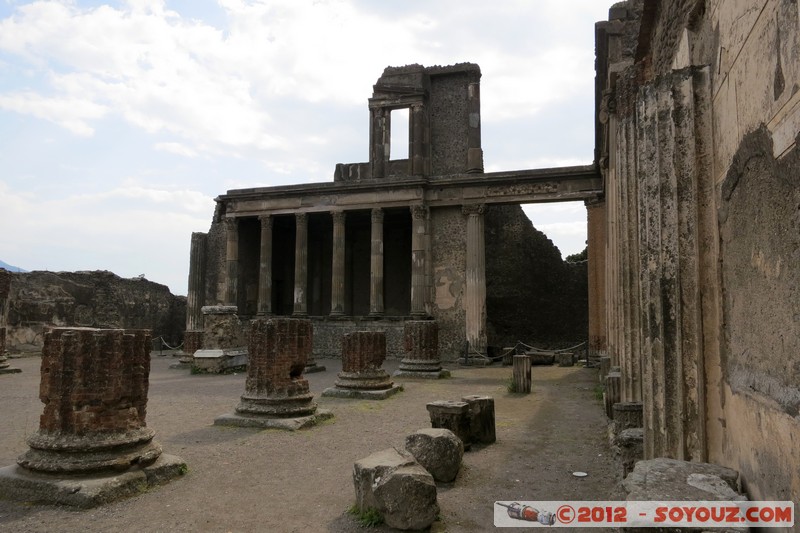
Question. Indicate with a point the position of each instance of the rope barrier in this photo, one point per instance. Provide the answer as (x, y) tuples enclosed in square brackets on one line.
[(163, 342)]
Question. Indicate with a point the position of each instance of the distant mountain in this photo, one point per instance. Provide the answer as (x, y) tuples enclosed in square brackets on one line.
[(10, 268)]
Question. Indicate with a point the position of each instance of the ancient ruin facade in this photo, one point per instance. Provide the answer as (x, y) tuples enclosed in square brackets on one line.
[(389, 240), (698, 120)]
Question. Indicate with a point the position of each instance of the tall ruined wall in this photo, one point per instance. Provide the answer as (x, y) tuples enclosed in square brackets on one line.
[(703, 257), (754, 387), (531, 294), (91, 299)]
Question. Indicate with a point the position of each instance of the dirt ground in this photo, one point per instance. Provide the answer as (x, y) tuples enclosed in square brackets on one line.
[(246, 480)]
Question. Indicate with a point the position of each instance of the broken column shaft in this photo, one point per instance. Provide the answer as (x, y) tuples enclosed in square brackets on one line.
[(276, 393), (421, 342), (92, 432), (363, 353)]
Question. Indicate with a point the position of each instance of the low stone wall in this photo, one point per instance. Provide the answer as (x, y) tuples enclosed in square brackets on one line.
[(328, 334)]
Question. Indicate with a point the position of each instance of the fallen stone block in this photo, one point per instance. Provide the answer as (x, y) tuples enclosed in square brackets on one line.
[(438, 450), (396, 486), (665, 479), (565, 359)]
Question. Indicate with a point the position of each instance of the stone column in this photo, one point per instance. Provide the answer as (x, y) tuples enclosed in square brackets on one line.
[(419, 214), (421, 343), (475, 291), (92, 432), (276, 392), (376, 265), (265, 267), (195, 297), (301, 265), (232, 261), (474, 150), (420, 164), (379, 137), (338, 268)]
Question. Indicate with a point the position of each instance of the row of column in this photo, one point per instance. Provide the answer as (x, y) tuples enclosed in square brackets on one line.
[(376, 306)]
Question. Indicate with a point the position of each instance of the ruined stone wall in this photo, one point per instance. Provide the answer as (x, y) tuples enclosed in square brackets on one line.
[(90, 299), (702, 283), (531, 294), (449, 123), (449, 243)]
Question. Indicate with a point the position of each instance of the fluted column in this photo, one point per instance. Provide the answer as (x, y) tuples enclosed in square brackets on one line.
[(376, 264), (301, 265), (418, 268), (232, 261), (475, 293), (265, 267), (337, 283)]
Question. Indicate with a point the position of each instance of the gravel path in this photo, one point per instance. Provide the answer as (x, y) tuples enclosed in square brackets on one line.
[(245, 480)]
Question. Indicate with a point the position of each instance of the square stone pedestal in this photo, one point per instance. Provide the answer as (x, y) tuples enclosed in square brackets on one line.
[(264, 422), (21, 484)]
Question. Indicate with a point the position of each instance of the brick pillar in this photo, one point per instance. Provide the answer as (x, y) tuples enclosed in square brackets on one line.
[(301, 265), (419, 214), (94, 388), (232, 261), (338, 267), (596, 247), (475, 290), (265, 267), (376, 265), (421, 342), (279, 349), (363, 353)]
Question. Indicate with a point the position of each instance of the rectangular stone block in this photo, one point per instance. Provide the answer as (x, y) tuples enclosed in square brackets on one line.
[(454, 416), (481, 419)]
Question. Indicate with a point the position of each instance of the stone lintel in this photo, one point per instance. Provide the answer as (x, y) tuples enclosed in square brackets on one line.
[(360, 394), (262, 422), (549, 184), (86, 491)]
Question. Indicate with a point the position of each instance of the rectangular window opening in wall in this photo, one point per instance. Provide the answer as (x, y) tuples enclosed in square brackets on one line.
[(398, 148)]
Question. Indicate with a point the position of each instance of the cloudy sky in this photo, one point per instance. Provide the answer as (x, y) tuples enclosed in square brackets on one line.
[(120, 122)]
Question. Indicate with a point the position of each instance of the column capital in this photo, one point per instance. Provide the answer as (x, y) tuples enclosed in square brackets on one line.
[(473, 209), (338, 217), (266, 221), (597, 201), (377, 215), (301, 218), (419, 212), (231, 223)]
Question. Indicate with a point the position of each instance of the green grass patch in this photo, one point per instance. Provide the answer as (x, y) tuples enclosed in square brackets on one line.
[(367, 517)]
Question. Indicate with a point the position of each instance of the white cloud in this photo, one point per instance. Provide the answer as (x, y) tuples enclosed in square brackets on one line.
[(71, 113), (176, 148), (148, 227)]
